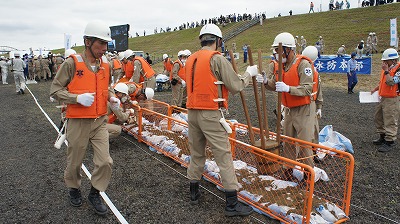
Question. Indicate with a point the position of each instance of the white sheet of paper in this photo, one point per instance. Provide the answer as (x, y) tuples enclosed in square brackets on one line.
[(367, 97)]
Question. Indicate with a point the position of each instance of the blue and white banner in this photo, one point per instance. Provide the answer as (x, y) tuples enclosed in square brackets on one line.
[(393, 33), (334, 64), (67, 41)]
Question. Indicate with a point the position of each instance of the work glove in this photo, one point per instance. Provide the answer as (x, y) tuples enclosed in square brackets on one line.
[(115, 102), (282, 87), (319, 113), (131, 111), (261, 79), (134, 102), (252, 70), (86, 99), (183, 83)]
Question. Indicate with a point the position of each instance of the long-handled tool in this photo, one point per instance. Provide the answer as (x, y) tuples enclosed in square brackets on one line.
[(242, 96), (279, 113)]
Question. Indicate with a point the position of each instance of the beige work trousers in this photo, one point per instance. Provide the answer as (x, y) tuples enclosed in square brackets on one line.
[(46, 73), (386, 117), (81, 132), (177, 94), (204, 127), (300, 123), (150, 82), (116, 75), (113, 130)]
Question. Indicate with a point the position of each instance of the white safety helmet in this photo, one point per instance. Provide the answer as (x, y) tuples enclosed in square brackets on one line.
[(390, 54), (2, 57), (98, 30), (302, 37), (370, 34), (181, 53), (343, 45), (164, 56), (68, 52), (362, 41), (121, 55), (16, 54), (122, 88), (149, 92), (286, 39), (128, 53), (311, 52), (45, 56), (320, 37), (210, 29), (187, 52)]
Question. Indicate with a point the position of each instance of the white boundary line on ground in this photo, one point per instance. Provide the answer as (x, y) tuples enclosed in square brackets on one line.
[(117, 214)]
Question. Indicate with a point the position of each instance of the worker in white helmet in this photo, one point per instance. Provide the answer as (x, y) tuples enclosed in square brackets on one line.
[(45, 63), (178, 79), (117, 115), (374, 41), (168, 64), (210, 78), (387, 111), (312, 53), (298, 88), (4, 70), (17, 66), (82, 83)]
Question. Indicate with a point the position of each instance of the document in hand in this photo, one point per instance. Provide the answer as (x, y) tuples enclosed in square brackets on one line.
[(367, 97)]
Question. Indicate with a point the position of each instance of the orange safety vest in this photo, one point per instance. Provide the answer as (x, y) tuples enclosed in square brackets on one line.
[(147, 69), (202, 91), (168, 65), (116, 64), (181, 72), (129, 69), (291, 78), (86, 81), (386, 90)]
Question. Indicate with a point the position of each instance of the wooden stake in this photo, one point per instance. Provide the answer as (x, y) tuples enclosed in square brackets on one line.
[(243, 98)]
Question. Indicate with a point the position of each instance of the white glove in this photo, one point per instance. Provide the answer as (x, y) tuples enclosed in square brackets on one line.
[(282, 87), (86, 99), (183, 83), (115, 102), (131, 111), (134, 102), (252, 70), (319, 113), (261, 79)]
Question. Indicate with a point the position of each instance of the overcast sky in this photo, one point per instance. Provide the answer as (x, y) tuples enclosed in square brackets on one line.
[(42, 23)]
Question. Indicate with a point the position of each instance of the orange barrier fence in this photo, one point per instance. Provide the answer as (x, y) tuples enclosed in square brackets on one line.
[(264, 184)]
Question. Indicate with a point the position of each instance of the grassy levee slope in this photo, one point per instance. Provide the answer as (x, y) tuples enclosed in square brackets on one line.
[(346, 27)]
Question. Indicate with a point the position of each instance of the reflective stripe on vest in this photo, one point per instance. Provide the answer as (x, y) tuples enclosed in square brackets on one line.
[(86, 81), (202, 90)]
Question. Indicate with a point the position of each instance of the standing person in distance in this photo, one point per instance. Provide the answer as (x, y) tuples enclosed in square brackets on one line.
[(209, 78), (82, 82), (17, 68), (352, 79), (387, 111)]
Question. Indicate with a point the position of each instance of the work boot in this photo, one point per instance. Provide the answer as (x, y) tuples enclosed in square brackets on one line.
[(194, 192), (349, 91), (97, 202), (22, 91), (380, 140), (389, 143), (234, 207), (75, 197)]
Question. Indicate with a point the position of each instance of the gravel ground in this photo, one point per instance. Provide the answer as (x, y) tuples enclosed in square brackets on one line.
[(150, 188)]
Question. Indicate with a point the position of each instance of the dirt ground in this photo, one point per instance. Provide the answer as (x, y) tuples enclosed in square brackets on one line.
[(149, 188)]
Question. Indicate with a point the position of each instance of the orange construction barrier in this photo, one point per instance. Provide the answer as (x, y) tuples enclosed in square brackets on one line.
[(264, 186)]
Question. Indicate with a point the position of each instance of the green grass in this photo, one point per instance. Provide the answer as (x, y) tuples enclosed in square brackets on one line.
[(346, 27)]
